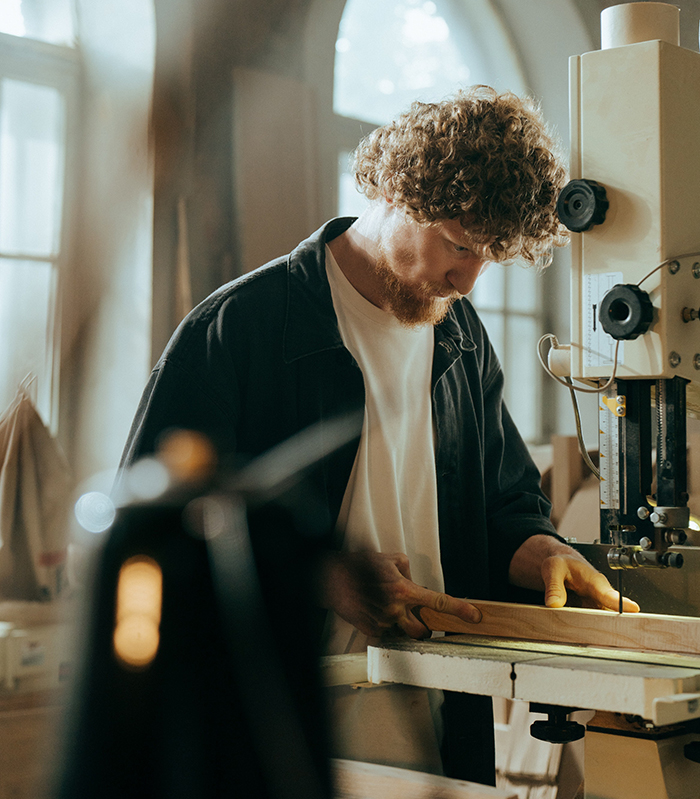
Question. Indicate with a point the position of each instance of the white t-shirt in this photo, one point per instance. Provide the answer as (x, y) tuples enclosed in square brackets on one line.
[(390, 503)]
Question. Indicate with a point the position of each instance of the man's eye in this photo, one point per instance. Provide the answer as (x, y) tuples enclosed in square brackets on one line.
[(459, 248)]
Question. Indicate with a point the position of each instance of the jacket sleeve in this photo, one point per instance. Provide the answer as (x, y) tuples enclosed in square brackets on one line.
[(194, 386), (176, 398)]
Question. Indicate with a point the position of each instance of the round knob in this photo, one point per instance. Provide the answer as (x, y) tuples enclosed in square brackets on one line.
[(559, 732), (582, 204), (673, 560), (626, 311)]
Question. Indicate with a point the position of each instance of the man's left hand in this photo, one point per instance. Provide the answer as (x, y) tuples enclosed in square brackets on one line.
[(543, 563)]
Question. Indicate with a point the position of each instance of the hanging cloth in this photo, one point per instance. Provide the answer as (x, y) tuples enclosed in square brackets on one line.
[(35, 490)]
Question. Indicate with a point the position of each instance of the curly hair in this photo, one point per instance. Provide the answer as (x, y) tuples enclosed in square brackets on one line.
[(482, 157)]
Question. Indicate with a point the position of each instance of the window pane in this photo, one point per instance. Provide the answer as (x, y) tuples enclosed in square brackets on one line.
[(26, 329), (45, 20), (489, 291), (493, 322), (523, 375), (389, 54), (523, 287), (32, 133), (350, 201)]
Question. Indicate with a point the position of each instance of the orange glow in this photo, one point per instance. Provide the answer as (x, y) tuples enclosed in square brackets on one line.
[(139, 600)]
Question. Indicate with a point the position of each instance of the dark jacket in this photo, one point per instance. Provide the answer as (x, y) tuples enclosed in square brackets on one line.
[(262, 359)]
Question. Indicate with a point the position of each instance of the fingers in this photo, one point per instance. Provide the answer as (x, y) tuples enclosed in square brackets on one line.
[(402, 564), (374, 592), (444, 603), (561, 572), (610, 600)]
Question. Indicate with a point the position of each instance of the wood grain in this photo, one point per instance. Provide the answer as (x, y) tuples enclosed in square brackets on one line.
[(640, 631)]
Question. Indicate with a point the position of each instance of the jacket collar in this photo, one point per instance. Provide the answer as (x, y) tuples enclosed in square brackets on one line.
[(311, 325)]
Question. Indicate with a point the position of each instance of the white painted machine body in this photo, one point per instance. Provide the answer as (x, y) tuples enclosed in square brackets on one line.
[(635, 128)]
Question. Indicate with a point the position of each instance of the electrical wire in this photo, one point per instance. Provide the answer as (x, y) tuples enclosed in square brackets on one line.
[(666, 262), (579, 433), (555, 345), (572, 390)]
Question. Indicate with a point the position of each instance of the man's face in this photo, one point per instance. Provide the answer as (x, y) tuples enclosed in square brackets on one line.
[(423, 270)]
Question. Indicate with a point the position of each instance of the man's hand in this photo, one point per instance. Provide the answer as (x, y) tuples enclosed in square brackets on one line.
[(374, 592), (544, 564)]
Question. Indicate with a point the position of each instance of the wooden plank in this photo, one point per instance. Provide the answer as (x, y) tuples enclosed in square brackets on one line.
[(355, 780), (568, 472), (577, 650), (642, 631)]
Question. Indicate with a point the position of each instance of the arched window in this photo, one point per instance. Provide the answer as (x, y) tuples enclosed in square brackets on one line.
[(389, 54)]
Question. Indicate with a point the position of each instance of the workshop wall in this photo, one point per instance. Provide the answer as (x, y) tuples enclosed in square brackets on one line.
[(172, 210)]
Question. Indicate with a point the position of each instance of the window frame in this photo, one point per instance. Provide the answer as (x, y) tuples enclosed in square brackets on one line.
[(58, 67)]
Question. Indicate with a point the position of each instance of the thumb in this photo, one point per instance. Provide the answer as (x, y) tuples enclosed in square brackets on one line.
[(553, 575)]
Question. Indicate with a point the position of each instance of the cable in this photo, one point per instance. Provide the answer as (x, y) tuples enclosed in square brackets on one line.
[(569, 384), (668, 261), (579, 433)]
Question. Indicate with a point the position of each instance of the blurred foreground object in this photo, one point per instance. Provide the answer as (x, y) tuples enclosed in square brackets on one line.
[(200, 671)]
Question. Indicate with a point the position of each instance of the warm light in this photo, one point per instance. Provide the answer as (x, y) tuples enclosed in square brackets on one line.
[(189, 456), (139, 601)]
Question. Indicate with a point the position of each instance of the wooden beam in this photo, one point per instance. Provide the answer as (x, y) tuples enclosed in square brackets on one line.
[(355, 780), (568, 472), (641, 631)]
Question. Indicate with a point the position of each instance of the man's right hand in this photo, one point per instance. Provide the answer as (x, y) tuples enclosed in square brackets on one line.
[(374, 592)]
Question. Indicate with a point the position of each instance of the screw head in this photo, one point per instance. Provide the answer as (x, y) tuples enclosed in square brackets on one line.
[(696, 360), (673, 267), (674, 359), (696, 270), (645, 543)]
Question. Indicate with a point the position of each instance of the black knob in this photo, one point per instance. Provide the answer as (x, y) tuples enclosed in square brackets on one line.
[(582, 204), (626, 311), (692, 751), (557, 729), (672, 560)]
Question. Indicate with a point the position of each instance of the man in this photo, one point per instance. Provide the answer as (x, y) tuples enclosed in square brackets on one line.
[(439, 499)]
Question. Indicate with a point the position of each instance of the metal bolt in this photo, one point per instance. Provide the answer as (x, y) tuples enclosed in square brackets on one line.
[(643, 513), (645, 543), (696, 360), (619, 399), (696, 270), (673, 267), (620, 410), (674, 359)]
